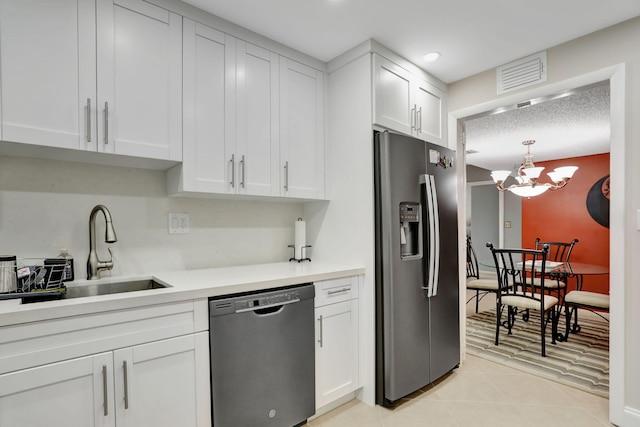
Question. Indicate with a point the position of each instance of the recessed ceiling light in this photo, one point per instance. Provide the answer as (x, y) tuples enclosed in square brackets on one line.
[(432, 56)]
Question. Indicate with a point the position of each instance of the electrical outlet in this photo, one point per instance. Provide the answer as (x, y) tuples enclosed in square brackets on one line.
[(178, 223)]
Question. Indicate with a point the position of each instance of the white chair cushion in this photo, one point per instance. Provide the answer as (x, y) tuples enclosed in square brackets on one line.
[(590, 299), (482, 284), (528, 302), (548, 283), (487, 275)]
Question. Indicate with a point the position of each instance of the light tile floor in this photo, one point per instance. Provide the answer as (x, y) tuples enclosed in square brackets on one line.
[(480, 393)]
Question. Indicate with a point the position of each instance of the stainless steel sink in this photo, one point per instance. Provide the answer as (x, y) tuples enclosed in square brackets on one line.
[(95, 289)]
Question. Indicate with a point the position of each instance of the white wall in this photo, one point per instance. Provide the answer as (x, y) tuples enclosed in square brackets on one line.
[(608, 54), (45, 204)]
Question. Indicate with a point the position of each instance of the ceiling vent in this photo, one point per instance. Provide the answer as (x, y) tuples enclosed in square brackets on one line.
[(522, 73)]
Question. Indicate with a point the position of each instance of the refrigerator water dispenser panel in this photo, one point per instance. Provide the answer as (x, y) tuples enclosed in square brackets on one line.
[(409, 230)]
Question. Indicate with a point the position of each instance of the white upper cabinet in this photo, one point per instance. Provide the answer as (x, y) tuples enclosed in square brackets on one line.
[(393, 101), (431, 110), (48, 70), (209, 99), (111, 84), (139, 106), (230, 116), (257, 127), (301, 130), (407, 103)]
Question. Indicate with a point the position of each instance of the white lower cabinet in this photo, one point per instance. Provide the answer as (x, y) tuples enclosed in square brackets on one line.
[(69, 393), (337, 367), (160, 383), (155, 384)]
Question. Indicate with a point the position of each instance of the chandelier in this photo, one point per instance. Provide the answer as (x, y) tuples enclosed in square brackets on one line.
[(527, 184)]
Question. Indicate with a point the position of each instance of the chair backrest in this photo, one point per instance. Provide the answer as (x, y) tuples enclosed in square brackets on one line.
[(519, 271), (558, 251), (472, 261)]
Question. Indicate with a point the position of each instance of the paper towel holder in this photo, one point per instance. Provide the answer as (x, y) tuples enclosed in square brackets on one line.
[(300, 245), (303, 251)]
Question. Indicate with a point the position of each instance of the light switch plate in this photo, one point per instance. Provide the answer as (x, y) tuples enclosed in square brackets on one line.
[(178, 223)]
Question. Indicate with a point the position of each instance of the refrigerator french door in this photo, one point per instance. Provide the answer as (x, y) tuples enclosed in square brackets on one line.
[(417, 295)]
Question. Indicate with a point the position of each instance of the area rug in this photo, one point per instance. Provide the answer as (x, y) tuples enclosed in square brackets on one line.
[(582, 362)]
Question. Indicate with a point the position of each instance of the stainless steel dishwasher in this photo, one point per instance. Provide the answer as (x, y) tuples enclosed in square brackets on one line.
[(263, 357)]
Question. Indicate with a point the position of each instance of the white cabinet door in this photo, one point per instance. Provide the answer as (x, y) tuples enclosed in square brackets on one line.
[(430, 112), (336, 351), (64, 394), (48, 69), (164, 383), (301, 130), (393, 100), (139, 67), (230, 115), (407, 104), (209, 113), (257, 149)]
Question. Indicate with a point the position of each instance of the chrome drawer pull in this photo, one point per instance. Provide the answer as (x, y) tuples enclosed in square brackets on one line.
[(320, 340), (126, 385), (105, 401), (339, 291)]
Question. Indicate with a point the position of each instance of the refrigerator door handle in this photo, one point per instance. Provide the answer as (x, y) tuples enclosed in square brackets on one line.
[(433, 225)]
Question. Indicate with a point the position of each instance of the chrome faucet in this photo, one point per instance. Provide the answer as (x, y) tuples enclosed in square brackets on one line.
[(94, 265)]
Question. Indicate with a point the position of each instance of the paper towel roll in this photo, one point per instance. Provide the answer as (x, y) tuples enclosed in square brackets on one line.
[(300, 237)]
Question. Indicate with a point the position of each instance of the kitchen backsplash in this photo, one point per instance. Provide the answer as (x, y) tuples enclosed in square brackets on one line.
[(45, 205)]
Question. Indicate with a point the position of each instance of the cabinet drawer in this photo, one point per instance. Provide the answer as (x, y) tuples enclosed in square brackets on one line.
[(336, 290), (32, 344)]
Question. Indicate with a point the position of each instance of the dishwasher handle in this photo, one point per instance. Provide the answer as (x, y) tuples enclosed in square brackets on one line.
[(268, 306)]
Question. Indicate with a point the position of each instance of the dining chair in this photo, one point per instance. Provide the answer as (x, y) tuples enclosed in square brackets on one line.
[(593, 301), (517, 269), (482, 282), (558, 252)]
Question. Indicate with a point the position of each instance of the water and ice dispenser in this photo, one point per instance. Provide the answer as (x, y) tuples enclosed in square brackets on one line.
[(410, 239)]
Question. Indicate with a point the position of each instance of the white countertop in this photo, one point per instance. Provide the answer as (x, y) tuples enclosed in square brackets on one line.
[(183, 285)]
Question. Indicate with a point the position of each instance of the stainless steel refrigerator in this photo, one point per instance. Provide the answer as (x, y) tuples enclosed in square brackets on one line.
[(417, 294)]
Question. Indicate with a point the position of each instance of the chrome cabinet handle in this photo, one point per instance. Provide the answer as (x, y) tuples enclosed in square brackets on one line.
[(320, 339), (126, 385), (419, 120), (233, 171), (88, 119), (339, 291), (242, 165), (105, 398), (106, 122), (286, 176), (412, 117)]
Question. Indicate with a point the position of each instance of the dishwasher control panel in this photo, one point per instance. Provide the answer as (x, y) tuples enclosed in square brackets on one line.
[(259, 300), (263, 301)]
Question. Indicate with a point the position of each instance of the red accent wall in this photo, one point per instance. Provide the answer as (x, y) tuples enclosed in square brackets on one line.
[(562, 215)]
